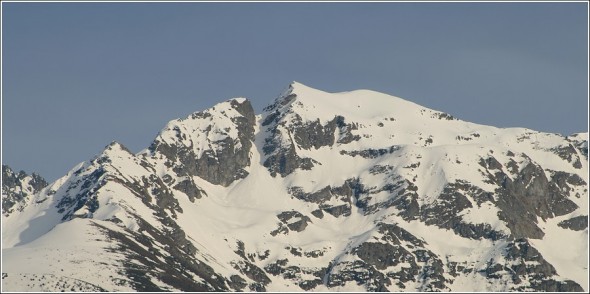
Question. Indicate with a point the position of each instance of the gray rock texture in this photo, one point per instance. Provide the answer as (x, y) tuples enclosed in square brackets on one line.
[(222, 165)]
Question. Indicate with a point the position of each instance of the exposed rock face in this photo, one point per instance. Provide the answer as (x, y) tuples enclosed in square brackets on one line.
[(447, 209), (527, 269), (530, 195), (17, 189), (283, 159), (215, 153), (577, 223), (288, 132), (189, 188), (397, 258), (291, 221), (279, 145)]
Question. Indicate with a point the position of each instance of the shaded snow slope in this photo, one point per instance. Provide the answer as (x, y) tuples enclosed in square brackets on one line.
[(352, 191)]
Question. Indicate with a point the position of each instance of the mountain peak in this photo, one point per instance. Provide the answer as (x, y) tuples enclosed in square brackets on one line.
[(311, 104), (230, 108), (297, 89), (115, 147), (205, 137), (297, 86)]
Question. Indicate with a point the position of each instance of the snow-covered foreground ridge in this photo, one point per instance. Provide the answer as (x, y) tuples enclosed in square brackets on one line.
[(352, 191)]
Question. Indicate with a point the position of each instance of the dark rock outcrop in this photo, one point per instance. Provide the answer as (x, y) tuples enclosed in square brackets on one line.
[(525, 263), (291, 221), (377, 264), (528, 194), (577, 223), (222, 164)]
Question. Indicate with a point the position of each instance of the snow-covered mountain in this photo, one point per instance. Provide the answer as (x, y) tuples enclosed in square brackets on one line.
[(351, 191)]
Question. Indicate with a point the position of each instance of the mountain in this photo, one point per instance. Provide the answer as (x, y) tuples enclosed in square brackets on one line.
[(351, 191)]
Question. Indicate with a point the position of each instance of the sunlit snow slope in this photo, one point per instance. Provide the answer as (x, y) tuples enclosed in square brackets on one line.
[(352, 191)]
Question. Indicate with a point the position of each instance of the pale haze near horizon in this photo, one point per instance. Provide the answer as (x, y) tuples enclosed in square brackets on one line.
[(77, 76)]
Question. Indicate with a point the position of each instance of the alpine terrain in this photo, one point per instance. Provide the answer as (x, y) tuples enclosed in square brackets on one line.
[(351, 191)]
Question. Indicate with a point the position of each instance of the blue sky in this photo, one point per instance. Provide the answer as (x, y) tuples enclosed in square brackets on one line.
[(77, 76)]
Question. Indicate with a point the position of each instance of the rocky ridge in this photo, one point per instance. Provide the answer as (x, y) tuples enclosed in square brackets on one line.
[(18, 188)]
